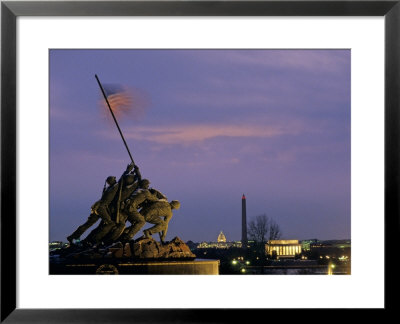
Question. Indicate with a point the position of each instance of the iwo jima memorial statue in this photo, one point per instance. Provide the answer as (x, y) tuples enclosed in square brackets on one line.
[(124, 208)]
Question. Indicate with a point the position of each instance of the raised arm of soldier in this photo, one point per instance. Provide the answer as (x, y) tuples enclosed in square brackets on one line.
[(125, 178), (131, 176), (128, 170), (137, 173)]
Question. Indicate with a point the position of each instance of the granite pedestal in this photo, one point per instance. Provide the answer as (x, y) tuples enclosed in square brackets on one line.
[(153, 267)]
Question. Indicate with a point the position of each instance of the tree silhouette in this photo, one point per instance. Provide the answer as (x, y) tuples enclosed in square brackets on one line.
[(274, 230), (262, 228)]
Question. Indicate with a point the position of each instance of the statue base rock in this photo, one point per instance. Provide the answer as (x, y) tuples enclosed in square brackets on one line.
[(142, 256)]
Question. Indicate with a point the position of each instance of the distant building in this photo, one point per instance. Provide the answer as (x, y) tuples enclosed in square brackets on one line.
[(306, 244), (336, 249), (221, 238), (220, 244), (55, 245), (337, 243), (283, 248)]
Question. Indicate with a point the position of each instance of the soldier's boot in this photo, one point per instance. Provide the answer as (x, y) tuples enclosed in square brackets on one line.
[(76, 235), (147, 233), (70, 239), (92, 219), (161, 238)]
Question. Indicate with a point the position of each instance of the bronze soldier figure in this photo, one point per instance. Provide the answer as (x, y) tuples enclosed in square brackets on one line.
[(100, 210), (159, 213), (131, 206)]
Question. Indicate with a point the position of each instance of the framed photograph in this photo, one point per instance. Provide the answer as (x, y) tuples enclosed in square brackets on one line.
[(295, 103)]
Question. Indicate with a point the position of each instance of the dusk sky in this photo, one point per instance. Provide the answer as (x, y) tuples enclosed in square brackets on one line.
[(208, 126)]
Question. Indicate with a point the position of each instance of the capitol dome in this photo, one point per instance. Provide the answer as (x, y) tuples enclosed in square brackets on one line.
[(221, 237)]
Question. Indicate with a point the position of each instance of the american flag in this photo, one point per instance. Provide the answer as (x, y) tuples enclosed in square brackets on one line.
[(124, 101), (119, 98)]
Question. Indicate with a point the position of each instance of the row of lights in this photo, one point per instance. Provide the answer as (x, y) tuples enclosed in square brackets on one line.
[(243, 270), (236, 262), (342, 258)]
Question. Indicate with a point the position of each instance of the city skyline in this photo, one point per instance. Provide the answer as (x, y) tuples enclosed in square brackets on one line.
[(212, 125)]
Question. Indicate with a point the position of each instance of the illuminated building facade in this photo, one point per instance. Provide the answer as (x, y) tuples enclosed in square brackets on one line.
[(221, 237), (306, 244), (220, 244), (283, 248)]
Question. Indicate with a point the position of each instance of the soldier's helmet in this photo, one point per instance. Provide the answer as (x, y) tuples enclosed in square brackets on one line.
[(144, 183), (129, 179), (110, 179), (175, 204)]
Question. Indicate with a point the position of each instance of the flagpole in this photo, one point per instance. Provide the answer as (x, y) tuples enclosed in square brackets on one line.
[(115, 120)]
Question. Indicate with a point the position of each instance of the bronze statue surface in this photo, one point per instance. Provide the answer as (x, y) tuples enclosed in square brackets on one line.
[(128, 200)]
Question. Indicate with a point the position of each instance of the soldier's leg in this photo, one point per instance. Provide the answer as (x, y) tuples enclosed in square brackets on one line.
[(92, 219), (137, 220), (116, 232), (158, 227), (162, 235), (164, 231), (90, 238), (102, 211), (101, 232), (106, 225)]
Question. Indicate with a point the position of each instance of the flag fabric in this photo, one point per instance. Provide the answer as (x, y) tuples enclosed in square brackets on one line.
[(119, 98), (125, 101)]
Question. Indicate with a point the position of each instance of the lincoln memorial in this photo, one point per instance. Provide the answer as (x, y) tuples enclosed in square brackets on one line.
[(283, 248)]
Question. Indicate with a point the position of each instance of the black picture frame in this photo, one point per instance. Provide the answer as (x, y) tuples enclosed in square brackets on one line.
[(10, 10)]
